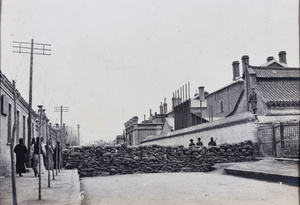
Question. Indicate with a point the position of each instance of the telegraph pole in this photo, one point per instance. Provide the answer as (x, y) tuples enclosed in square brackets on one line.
[(39, 144), (60, 109), (38, 49), (12, 144)]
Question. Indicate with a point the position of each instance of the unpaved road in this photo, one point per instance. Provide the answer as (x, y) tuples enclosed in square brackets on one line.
[(184, 189)]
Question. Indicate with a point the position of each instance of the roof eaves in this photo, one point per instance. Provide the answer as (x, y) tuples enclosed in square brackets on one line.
[(273, 61), (239, 80)]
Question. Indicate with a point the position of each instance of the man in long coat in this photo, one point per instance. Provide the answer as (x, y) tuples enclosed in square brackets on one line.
[(21, 154), (253, 101)]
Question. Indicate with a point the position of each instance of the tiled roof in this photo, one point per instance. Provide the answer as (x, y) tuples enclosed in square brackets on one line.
[(276, 72), (279, 93)]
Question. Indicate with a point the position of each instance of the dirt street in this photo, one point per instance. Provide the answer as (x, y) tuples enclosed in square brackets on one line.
[(185, 188)]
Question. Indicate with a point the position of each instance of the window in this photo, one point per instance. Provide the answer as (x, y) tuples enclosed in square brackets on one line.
[(9, 124), (222, 106), (24, 128), (211, 113), (17, 128)]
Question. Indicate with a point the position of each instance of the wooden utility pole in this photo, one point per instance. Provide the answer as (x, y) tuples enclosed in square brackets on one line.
[(48, 150), (35, 48), (40, 142), (12, 144), (60, 109)]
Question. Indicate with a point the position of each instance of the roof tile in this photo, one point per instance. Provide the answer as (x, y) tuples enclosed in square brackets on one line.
[(279, 93), (277, 72)]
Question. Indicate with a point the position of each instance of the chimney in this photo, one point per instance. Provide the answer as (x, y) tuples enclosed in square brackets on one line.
[(165, 106), (270, 58), (161, 110), (245, 61), (236, 69), (201, 93), (173, 101), (282, 57), (150, 113)]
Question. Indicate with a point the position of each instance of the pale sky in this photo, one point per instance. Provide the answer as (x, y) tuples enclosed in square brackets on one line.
[(112, 60)]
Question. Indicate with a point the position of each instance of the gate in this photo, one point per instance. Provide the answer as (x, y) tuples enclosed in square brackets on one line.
[(291, 140), (279, 140), (286, 139)]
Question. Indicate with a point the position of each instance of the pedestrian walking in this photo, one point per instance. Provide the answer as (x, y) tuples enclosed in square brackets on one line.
[(21, 155), (44, 154), (35, 151), (31, 152), (49, 151)]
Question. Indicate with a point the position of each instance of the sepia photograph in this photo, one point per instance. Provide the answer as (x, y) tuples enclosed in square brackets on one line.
[(149, 102)]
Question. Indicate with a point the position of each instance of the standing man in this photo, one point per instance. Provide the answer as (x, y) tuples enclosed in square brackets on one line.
[(253, 101), (57, 152), (212, 142), (191, 143), (199, 143), (21, 154)]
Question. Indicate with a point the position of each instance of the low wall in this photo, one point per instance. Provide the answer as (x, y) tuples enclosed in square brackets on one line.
[(232, 129), (101, 160)]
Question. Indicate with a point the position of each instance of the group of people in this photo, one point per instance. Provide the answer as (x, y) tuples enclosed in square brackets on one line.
[(199, 143), (22, 156)]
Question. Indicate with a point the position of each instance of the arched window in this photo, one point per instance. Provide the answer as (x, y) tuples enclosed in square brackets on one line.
[(222, 107)]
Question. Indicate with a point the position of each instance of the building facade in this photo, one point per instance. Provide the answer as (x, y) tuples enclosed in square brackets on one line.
[(136, 132), (7, 123), (274, 123)]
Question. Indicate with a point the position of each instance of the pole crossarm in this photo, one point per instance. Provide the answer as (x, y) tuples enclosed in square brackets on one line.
[(61, 109), (22, 47)]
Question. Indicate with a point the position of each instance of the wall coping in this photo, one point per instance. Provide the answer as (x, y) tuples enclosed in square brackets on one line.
[(225, 122)]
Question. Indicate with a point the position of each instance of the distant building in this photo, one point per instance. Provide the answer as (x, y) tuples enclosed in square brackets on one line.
[(120, 139), (135, 132)]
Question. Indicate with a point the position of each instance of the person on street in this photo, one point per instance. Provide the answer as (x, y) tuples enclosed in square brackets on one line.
[(31, 152), (35, 151), (57, 150), (212, 142), (199, 143), (21, 155), (44, 153), (49, 159)]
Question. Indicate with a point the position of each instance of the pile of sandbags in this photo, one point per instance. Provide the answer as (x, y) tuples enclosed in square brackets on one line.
[(110, 160)]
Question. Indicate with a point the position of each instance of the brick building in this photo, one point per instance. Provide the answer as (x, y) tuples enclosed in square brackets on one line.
[(277, 88), (7, 121), (276, 128), (189, 111), (276, 85)]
